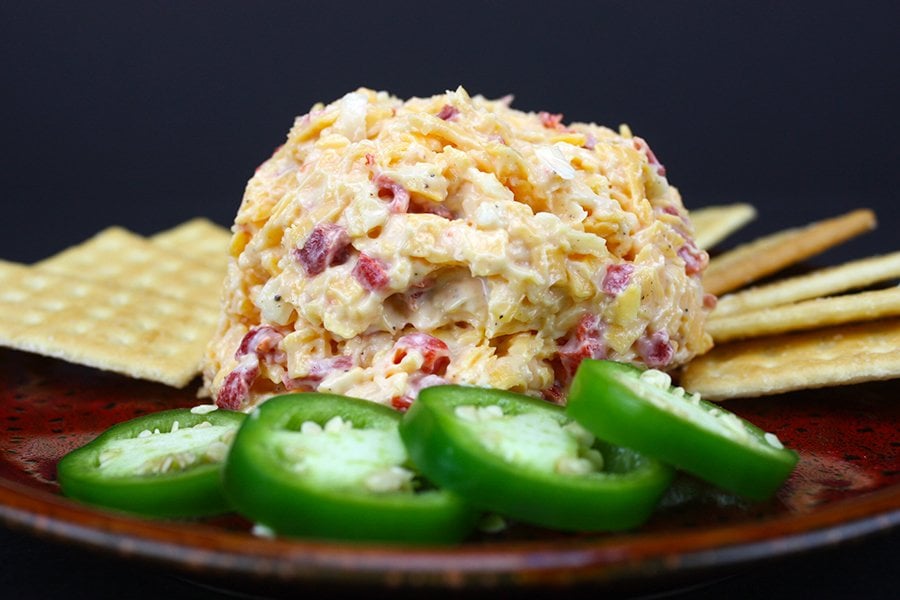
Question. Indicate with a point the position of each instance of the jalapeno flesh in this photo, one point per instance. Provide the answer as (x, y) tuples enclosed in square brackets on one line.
[(328, 466), (165, 464), (524, 458), (641, 409)]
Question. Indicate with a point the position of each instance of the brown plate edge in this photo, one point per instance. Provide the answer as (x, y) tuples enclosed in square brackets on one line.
[(202, 550)]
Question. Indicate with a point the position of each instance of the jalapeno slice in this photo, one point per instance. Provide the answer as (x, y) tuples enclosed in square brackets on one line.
[(524, 458), (328, 466), (642, 410), (165, 464)]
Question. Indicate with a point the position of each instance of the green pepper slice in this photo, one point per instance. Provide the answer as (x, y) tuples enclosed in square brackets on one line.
[(165, 464), (642, 410), (329, 466), (524, 458)]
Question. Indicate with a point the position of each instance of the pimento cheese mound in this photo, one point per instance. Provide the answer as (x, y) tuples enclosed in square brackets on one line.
[(388, 246)]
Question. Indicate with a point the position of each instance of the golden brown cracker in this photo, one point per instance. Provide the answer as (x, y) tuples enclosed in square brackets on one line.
[(823, 357), (712, 224), (769, 254), (819, 312), (198, 239), (824, 282), (116, 256), (125, 330)]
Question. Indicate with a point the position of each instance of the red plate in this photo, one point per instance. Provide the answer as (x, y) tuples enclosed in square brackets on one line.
[(846, 486)]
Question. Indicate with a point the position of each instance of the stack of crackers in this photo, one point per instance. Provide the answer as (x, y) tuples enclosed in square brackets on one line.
[(140, 306), (832, 326)]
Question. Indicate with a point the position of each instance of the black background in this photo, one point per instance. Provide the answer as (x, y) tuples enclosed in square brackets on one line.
[(146, 114)]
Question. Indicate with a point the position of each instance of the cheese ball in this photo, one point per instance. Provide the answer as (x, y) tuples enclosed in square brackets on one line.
[(392, 245)]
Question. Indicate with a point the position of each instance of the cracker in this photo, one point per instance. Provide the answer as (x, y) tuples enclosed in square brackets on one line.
[(819, 312), (825, 357), (824, 282), (712, 224), (124, 330), (769, 254), (199, 240), (116, 256)]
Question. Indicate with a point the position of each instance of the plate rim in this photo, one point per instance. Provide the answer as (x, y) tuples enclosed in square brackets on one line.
[(202, 549)]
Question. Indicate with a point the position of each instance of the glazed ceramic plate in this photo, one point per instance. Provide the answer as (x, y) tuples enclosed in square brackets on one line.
[(846, 486)]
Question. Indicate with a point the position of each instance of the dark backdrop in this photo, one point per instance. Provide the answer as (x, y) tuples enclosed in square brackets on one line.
[(144, 114)]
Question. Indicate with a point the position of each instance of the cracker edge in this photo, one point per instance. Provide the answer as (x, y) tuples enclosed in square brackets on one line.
[(769, 254), (743, 376), (820, 283), (29, 338), (810, 314), (713, 224)]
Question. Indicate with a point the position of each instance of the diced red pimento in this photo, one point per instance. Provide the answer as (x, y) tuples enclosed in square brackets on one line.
[(387, 189), (617, 278), (585, 342), (236, 388), (395, 194), (416, 383), (641, 145), (655, 349), (435, 360), (671, 209), (258, 344), (328, 245), (695, 259), (318, 371), (435, 352), (415, 292), (560, 380), (402, 403), (550, 120), (418, 205), (261, 341), (448, 112), (371, 272)]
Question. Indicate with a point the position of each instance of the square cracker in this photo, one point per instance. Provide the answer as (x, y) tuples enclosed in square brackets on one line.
[(823, 357), (118, 257), (125, 330), (199, 240)]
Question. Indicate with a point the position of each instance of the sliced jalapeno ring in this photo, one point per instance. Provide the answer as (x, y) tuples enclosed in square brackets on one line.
[(165, 464), (526, 459), (642, 410), (328, 466)]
